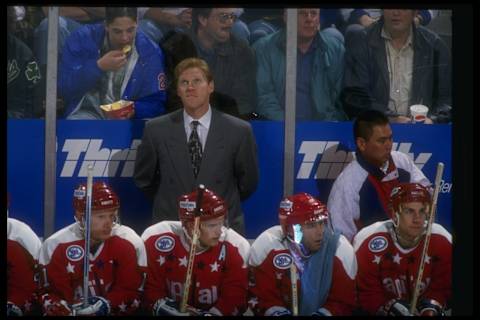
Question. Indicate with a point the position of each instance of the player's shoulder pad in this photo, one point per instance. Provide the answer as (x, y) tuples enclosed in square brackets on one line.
[(268, 240), (441, 231), (21, 233), (68, 234), (239, 242), (365, 233), (128, 234), (162, 227), (346, 255)]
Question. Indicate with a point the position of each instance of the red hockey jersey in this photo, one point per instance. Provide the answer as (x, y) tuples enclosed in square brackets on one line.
[(23, 246), (387, 271), (270, 287), (219, 278), (117, 268)]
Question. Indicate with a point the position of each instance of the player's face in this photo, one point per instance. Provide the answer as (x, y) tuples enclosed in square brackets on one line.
[(398, 21), (194, 90), (121, 32), (411, 222), (102, 224), (210, 231), (376, 150), (308, 23), (219, 24), (313, 235)]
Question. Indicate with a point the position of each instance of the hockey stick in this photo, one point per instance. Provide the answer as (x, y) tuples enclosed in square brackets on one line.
[(193, 248), (293, 282), (86, 219), (433, 207)]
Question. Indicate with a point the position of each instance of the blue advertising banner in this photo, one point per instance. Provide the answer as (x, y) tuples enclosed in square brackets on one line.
[(322, 149)]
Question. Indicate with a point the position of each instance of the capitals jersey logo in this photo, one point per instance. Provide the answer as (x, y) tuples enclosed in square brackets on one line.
[(282, 261), (377, 244), (74, 252), (165, 243)]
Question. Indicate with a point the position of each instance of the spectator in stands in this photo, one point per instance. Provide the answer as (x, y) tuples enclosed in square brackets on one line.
[(96, 70), (156, 22), (23, 76), (69, 20), (359, 195), (262, 22), (178, 46), (231, 60), (393, 64), (319, 72), (362, 18)]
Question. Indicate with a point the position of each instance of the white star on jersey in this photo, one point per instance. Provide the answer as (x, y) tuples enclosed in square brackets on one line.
[(47, 303), (70, 268), (122, 306), (253, 301), (161, 260), (397, 258), (183, 261), (135, 303), (376, 259), (214, 267), (427, 258), (278, 275)]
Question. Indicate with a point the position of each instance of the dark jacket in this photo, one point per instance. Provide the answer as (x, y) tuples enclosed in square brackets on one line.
[(366, 81), (229, 164), (234, 72)]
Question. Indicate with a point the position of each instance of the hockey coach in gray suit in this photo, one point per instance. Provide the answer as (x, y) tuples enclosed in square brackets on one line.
[(197, 144)]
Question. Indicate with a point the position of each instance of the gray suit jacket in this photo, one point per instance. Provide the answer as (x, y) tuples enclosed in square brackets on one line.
[(229, 164)]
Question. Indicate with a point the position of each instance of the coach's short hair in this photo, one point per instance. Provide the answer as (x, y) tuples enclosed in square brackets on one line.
[(193, 63), (365, 121)]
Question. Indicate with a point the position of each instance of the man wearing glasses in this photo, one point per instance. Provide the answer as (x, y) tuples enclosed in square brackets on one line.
[(231, 59)]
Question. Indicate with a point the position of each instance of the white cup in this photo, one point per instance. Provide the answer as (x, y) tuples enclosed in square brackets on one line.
[(418, 112)]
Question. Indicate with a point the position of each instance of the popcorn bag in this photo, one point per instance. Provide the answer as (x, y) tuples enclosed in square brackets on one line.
[(118, 109)]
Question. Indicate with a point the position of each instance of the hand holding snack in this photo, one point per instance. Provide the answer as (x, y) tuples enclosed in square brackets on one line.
[(126, 50), (112, 60), (121, 109)]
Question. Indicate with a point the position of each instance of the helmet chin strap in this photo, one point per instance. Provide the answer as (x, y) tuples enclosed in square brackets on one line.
[(405, 243), (200, 247)]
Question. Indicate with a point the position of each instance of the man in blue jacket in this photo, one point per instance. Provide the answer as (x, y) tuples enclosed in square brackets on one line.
[(98, 68), (319, 72)]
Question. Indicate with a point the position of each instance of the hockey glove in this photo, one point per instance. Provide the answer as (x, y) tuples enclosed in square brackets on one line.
[(167, 307), (60, 308), (13, 310), (97, 306), (397, 308), (430, 307)]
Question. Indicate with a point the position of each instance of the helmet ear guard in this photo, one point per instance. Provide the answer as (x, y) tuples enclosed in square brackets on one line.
[(297, 210)]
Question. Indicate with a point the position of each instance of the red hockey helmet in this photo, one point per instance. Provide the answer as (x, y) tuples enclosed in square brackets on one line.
[(103, 197), (299, 209), (408, 192), (212, 206)]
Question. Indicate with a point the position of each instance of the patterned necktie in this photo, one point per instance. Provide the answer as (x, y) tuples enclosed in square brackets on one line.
[(195, 148)]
